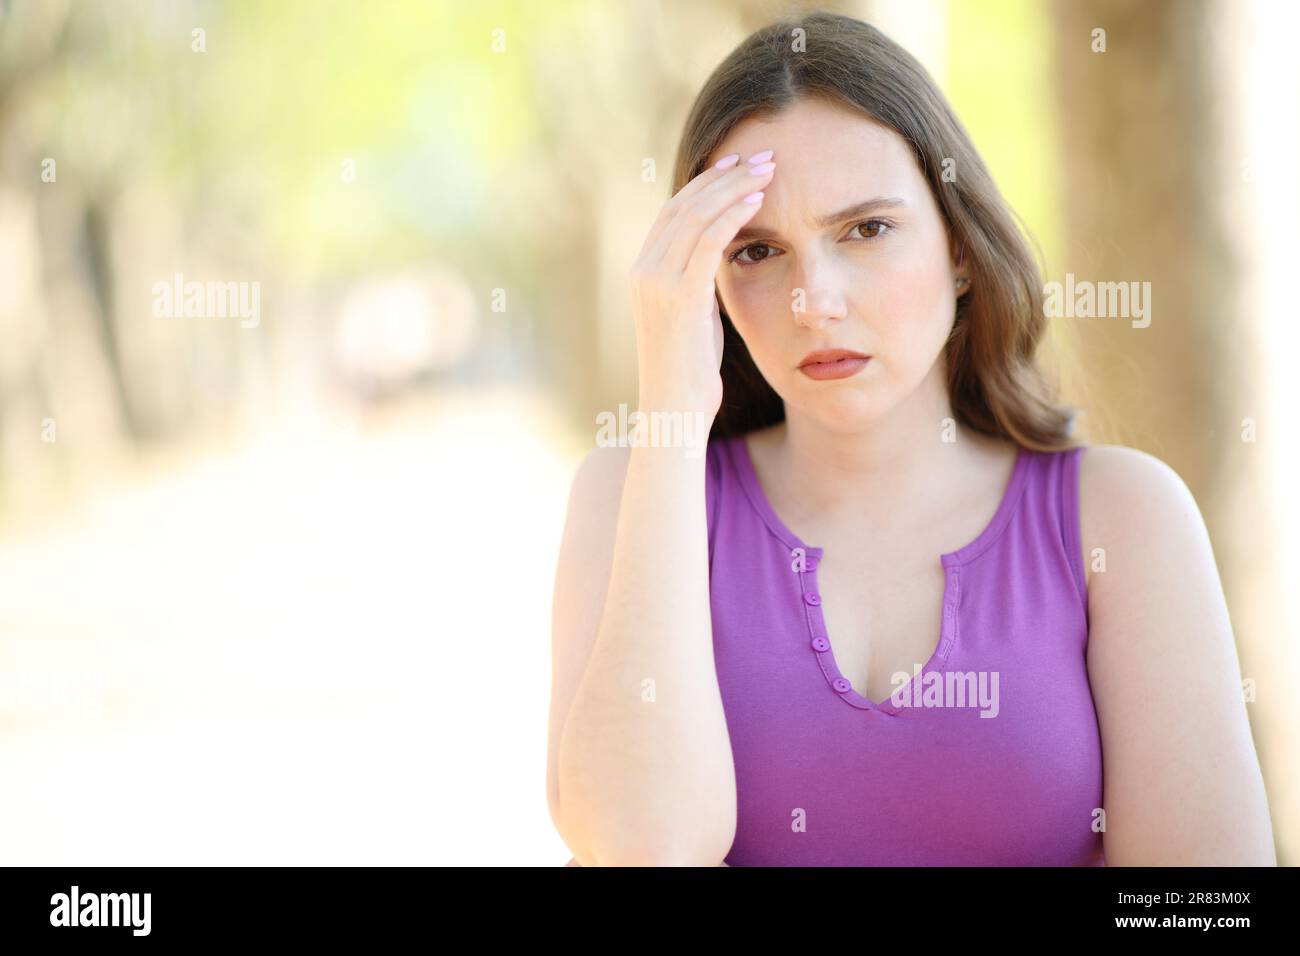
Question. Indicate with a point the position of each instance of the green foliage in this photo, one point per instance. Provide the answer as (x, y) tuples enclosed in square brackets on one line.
[(999, 81)]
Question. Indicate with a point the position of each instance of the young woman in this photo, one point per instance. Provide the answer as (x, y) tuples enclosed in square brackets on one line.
[(895, 615)]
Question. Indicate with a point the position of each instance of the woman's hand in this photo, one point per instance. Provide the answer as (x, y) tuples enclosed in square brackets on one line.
[(674, 298)]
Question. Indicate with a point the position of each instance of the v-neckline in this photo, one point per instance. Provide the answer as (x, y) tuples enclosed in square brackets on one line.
[(804, 559)]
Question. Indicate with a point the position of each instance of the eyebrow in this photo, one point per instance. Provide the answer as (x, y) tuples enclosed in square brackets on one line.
[(750, 233)]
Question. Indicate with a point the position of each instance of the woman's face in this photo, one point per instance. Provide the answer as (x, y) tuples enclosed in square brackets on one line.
[(811, 272)]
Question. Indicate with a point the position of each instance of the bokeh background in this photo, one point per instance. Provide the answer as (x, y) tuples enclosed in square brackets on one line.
[(275, 588)]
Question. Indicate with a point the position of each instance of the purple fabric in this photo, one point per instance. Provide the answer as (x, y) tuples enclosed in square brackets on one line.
[(827, 778)]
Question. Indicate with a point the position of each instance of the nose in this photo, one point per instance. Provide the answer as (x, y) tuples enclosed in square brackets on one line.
[(819, 299)]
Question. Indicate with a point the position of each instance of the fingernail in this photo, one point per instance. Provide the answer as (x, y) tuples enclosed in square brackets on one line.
[(762, 157), (726, 162), (761, 169), (753, 198)]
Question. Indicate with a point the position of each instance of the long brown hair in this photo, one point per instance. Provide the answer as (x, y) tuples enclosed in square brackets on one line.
[(994, 384)]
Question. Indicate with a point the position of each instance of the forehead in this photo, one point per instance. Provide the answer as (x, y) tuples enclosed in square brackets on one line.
[(828, 151)]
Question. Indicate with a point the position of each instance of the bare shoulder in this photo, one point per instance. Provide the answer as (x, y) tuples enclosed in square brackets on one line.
[(1132, 500), (1129, 478), (1163, 669), (592, 513), (601, 472)]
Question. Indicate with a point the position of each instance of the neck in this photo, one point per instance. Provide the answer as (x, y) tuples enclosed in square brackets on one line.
[(886, 469)]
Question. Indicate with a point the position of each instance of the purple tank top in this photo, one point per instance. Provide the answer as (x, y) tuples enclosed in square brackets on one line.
[(991, 756)]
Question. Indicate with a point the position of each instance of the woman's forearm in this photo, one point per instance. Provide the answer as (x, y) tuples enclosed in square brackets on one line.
[(644, 767)]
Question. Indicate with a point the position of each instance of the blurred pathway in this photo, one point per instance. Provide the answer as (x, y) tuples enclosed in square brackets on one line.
[(312, 650)]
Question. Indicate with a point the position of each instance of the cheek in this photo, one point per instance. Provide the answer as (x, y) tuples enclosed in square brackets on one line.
[(752, 296), (920, 307), (755, 306)]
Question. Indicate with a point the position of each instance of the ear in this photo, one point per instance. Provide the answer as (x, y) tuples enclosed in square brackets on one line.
[(960, 271), (961, 277)]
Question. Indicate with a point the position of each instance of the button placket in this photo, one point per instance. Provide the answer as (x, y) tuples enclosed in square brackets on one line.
[(803, 563), (803, 559), (800, 562)]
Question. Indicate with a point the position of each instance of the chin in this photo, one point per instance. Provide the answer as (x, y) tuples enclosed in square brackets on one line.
[(846, 408)]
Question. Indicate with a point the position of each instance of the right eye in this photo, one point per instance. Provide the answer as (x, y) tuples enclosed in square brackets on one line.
[(735, 256)]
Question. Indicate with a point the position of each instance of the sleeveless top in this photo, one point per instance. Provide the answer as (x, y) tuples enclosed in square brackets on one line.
[(989, 756)]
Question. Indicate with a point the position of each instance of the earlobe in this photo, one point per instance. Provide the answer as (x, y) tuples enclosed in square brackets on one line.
[(962, 278)]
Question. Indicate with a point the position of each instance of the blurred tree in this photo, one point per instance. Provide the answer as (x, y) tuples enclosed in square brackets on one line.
[(1153, 188), (1142, 162)]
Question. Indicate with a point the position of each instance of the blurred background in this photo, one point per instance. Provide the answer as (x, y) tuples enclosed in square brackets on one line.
[(307, 310)]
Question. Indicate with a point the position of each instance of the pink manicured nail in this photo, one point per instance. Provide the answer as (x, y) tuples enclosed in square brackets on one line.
[(726, 162), (761, 169), (754, 198), (762, 157)]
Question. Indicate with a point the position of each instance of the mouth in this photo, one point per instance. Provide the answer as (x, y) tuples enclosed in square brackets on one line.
[(833, 363)]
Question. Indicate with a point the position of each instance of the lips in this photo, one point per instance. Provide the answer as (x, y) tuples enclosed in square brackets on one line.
[(827, 356), (831, 364)]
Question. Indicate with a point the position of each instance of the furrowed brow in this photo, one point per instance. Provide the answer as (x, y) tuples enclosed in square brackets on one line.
[(866, 207)]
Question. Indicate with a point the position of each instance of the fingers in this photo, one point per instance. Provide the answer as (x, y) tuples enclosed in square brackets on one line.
[(703, 212), (706, 188), (683, 195), (674, 206), (707, 255)]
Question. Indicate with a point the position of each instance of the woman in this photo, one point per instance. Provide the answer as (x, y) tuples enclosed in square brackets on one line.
[(895, 615)]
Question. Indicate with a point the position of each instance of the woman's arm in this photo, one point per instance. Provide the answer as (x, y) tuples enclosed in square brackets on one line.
[(1182, 781), (640, 769)]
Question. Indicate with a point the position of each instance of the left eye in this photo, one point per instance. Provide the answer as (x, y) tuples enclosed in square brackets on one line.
[(873, 222)]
